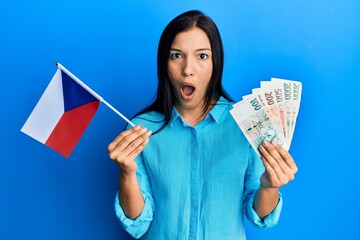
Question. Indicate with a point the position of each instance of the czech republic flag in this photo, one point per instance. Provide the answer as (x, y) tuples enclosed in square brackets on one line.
[(62, 114)]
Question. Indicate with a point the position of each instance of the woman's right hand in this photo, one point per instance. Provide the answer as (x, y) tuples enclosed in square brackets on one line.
[(127, 146)]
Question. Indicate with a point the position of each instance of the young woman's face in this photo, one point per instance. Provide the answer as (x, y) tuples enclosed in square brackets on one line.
[(190, 68)]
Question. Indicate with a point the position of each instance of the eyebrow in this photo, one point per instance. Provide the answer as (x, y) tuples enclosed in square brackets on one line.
[(198, 50)]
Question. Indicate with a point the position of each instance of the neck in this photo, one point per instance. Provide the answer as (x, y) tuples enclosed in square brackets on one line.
[(196, 115)]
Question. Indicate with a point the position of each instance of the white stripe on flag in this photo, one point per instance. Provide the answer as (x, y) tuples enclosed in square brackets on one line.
[(47, 111)]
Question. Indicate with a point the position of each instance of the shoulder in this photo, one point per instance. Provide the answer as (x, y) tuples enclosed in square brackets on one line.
[(221, 110), (151, 120), (225, 103)]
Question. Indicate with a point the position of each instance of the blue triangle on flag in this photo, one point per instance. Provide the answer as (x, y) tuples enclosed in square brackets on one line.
[(74, 94)]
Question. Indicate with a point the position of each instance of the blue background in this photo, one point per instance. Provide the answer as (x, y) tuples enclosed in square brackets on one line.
[(111, 46)]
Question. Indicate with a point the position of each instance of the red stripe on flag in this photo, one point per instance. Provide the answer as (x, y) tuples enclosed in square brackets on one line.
[(70, 128)]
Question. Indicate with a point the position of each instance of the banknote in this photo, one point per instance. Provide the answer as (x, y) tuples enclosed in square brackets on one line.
[(254, 121), (297, 90), (292, 91), (267, 97), (269, 112), (278, 94)]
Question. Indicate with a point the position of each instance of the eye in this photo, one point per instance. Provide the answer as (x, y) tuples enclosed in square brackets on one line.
[(175, 55), (203, 56)]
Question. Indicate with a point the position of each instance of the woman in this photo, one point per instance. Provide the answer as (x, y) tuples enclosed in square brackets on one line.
[(198, 175)]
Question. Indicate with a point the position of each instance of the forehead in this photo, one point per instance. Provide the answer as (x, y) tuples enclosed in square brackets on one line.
[(193, 37)]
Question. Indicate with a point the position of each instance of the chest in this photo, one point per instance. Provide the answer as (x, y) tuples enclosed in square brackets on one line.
[(179, 159)]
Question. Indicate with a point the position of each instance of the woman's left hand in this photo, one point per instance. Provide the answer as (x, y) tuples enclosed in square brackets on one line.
[(280, 167)]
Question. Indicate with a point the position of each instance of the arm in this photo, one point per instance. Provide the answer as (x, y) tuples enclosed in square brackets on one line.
[(123, 151), (280, 169), (266, 200), (131, 199)]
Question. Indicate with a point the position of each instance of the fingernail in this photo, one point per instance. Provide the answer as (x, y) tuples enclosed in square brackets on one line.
[(137, 127), (261, 148), (265, 143), (143, 130), (149, 133)]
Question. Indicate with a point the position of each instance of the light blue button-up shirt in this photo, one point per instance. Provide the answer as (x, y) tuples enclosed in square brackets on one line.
[(197, 182)]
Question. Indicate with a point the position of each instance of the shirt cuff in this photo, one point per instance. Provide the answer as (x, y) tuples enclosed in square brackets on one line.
[(135, 227), (270, 220)]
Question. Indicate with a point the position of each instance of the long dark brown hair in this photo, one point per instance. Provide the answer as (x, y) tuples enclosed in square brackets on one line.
[(165, 97)]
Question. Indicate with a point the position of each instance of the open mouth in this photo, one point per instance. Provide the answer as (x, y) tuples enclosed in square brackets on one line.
[(187, 89)]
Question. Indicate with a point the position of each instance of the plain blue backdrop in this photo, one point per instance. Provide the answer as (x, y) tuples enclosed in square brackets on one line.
[(111, 45)]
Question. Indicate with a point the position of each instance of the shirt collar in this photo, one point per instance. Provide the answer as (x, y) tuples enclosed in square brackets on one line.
[(174, 115), (216, 112)]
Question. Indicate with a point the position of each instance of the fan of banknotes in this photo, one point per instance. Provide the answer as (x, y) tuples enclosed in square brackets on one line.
[(269, 113)]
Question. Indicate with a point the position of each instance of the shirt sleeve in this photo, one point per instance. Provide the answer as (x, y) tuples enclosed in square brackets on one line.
[(252, 183), (137, 227)]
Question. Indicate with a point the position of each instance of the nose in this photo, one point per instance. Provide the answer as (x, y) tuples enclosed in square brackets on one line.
[(188, 67)]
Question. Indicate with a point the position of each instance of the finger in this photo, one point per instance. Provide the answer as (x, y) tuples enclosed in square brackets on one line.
[(269, 159), (114, 143), (139, 149), (273, 179), (137, 145), (270, 150), (279, 168), (285, 155), (126, 137), (130, 142), (274, 150)]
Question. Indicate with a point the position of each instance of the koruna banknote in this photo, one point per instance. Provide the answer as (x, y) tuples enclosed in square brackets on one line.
[(269, 113)]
